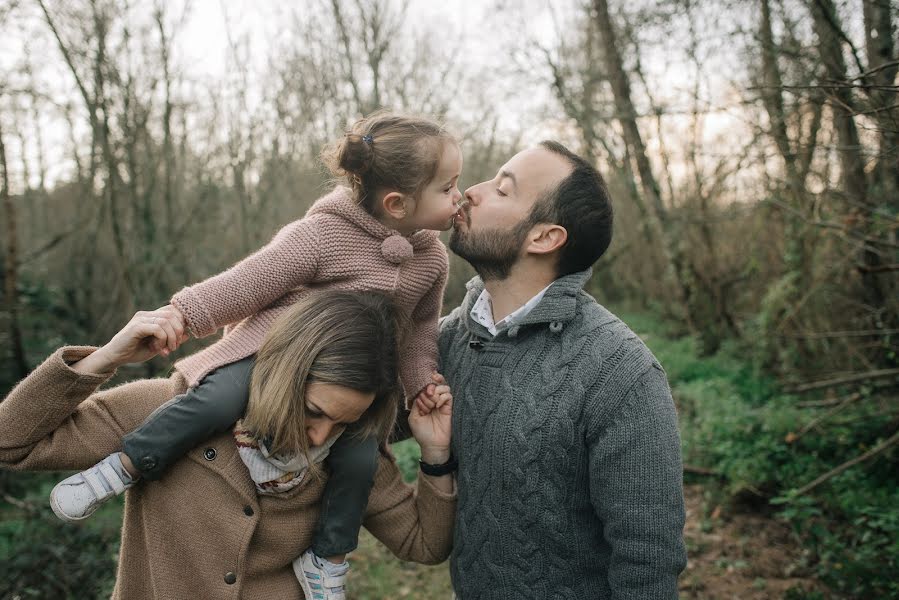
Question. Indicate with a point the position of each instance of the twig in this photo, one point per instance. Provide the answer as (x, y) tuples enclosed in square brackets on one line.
[(26, 506), (855, 377), (823, 417), (879, 449), (820, 403), (821, 335), (879, 268)]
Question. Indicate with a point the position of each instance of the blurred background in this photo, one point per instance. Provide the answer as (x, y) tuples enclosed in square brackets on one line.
[(752, 150)]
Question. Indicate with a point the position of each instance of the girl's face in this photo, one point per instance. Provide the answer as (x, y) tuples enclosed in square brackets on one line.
[(330, 406), (437, 204)]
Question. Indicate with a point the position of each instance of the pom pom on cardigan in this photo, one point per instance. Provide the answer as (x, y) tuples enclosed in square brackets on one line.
[(396, 249)]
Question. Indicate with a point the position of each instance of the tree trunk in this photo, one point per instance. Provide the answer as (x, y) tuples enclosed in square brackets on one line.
[(627, 117), (10, 279), (843, 106), (883, 66)]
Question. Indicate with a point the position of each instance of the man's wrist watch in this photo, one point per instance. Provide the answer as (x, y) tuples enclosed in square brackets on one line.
[(437, 470)]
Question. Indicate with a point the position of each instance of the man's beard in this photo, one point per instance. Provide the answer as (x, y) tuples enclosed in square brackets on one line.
[(492, 252)]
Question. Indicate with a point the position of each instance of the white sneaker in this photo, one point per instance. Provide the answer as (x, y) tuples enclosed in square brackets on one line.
[(77, 497), (320, 581)]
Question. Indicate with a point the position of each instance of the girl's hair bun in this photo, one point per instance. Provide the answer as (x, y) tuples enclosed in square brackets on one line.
[(355, 154)]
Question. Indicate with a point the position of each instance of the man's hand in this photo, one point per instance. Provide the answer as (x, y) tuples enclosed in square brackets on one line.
[(431, 421)]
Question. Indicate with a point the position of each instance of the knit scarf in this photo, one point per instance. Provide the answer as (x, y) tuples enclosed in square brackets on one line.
[(276, 473)]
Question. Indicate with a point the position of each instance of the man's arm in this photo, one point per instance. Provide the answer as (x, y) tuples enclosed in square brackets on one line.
[(636, 487)]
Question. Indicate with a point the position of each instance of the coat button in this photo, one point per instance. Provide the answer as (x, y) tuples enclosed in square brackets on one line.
[(209, 453), (147, 463), (230, 578), (248, 510)]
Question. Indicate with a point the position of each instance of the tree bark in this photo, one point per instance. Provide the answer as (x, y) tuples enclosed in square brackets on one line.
[(852, 166), (10, 279), (627, 117)]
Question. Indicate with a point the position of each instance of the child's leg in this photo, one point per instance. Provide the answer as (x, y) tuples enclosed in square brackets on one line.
[(186, 420), (353, 461), (321, 570), (167, 434)]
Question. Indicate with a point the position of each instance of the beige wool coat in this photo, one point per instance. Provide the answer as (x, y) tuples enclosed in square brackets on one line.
[(201, 532)]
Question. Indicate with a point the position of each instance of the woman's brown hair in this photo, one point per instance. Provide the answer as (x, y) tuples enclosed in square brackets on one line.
[(336, 337), (388, 151)]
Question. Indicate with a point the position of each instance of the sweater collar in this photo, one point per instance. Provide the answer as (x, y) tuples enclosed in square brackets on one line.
[(340, 202), (558, 305)]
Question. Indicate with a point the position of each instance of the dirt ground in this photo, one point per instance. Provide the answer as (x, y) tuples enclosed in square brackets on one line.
[(733, 554), (740, 554)]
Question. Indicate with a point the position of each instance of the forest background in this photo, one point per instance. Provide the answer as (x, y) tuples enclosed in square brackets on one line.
[(752, 150)]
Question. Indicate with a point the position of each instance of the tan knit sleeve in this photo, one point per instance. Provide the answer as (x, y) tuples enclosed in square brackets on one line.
[(54, 419), (290, 259), (415, 522), (418, 356)]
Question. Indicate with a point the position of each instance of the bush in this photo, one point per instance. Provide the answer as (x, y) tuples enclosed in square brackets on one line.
[(734, 421), (42, 557)]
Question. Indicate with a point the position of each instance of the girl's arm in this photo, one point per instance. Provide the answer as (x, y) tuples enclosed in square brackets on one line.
[(418, 354), (290, 259)]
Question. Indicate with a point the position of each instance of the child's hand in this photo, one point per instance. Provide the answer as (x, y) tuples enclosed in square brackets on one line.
[(175, 330), (435, 395)]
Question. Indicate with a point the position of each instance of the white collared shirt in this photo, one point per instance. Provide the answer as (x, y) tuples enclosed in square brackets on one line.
[(482, 311)]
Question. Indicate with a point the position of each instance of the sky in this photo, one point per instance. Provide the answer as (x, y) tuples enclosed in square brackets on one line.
[(489, 30)]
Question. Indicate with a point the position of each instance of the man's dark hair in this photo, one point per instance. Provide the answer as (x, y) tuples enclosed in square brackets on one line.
[(580, 204)]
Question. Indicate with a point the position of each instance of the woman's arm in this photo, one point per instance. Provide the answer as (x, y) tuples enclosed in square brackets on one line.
[(54, 419), (416, 523)]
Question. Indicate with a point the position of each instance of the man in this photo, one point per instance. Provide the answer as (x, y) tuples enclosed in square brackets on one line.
[(570, 477)]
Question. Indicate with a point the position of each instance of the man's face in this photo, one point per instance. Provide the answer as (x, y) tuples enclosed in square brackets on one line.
[(491, 232)]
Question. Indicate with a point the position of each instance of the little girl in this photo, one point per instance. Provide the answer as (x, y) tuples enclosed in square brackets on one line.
[(380, 234)]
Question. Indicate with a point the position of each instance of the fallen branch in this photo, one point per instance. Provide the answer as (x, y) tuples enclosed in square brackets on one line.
[(879, 449), (701, 471), (855, 377), (843, 403), (826, 403)]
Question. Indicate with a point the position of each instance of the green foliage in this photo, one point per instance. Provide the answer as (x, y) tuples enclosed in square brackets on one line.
[(734, 420), (407, 454), (42, 557)]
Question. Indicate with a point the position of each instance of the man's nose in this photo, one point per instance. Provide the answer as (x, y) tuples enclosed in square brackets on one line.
[(472, 196)]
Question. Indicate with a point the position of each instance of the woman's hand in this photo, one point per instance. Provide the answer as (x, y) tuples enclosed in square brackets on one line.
[(141, 339), (431, 421)]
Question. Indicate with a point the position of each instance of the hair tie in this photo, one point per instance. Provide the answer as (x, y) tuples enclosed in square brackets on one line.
[(368, 139)]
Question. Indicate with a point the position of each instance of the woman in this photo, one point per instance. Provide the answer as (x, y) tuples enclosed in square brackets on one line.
[(211, 528)]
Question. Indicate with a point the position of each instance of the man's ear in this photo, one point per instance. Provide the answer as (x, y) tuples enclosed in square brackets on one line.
[(394, 204), (545, 238)]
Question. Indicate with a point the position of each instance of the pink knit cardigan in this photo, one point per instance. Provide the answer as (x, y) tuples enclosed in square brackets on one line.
[(337, 245)]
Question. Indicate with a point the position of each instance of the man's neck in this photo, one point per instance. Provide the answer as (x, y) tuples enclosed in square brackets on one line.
[(510, 294)]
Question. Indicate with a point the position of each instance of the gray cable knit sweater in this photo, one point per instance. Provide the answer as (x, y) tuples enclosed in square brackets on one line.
[(570, 480)]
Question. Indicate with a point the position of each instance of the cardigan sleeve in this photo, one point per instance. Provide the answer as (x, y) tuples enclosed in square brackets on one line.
[(415, 522), (290, 259), (54, 419), (418, 355), (636, 489)]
